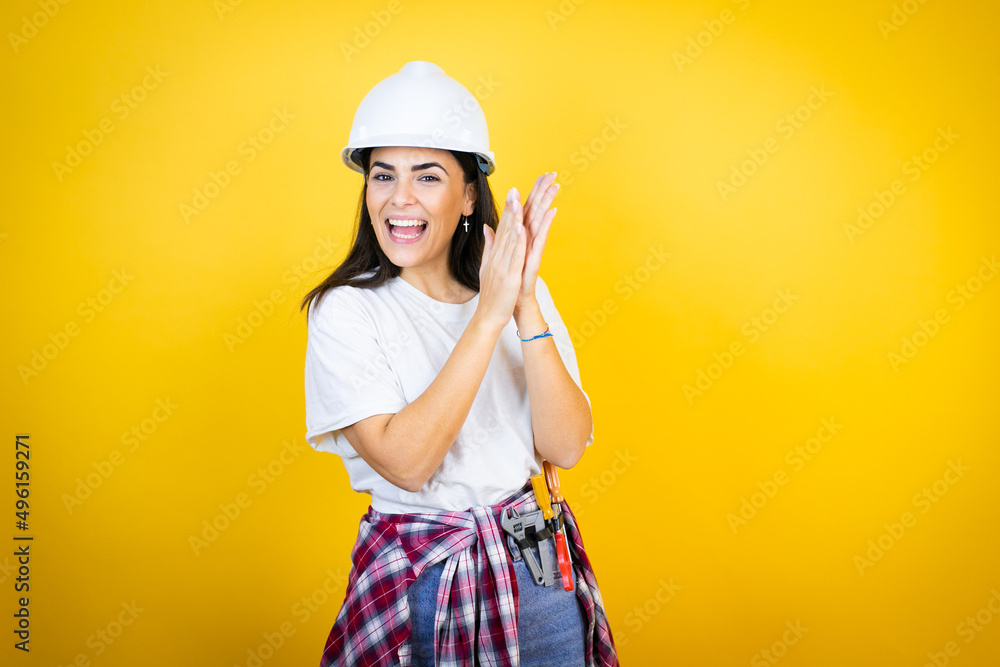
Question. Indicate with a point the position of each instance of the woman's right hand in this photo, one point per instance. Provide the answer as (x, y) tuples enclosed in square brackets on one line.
[(503, 263)]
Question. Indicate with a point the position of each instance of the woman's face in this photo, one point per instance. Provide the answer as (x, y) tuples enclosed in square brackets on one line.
[(415, 198)]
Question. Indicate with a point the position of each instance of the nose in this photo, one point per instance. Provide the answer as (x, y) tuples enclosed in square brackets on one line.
[(402, 193)]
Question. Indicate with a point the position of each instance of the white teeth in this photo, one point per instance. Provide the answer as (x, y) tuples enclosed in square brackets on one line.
[(393, 224)]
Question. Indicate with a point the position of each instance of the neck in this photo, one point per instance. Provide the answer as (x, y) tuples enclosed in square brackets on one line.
[(439, 284)]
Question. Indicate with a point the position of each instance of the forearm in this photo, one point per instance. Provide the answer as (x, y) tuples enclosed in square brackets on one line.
[(418, 437), (561, 420)]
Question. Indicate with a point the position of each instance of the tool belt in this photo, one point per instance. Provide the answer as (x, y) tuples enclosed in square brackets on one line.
[(528, 531)]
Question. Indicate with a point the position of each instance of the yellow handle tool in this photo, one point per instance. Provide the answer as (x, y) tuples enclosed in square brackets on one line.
[(542, 495)]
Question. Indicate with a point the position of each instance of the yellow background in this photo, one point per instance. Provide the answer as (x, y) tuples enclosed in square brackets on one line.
[(655, 491)]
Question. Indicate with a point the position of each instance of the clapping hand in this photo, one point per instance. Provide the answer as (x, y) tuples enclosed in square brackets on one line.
[(537, 220), (513, 254)]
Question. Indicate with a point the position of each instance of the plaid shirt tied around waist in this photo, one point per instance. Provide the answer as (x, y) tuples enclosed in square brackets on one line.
[(373, 626)]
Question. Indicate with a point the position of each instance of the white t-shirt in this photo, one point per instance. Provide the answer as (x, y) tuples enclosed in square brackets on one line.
[(374, 351)]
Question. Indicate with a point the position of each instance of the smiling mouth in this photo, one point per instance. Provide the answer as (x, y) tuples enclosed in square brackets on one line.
[(405, 230)]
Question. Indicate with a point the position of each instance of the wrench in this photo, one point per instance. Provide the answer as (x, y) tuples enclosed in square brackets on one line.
[(515, 525)]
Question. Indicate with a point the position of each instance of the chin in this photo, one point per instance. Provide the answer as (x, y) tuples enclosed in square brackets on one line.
[(400, 259)]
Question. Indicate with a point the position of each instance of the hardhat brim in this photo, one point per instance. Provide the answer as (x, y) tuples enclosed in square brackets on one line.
[(486, 161)]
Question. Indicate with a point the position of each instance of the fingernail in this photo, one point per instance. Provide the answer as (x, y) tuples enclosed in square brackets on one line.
[(510, 195)]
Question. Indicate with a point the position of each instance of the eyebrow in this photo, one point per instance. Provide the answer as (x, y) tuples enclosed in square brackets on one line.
[(416, 167)]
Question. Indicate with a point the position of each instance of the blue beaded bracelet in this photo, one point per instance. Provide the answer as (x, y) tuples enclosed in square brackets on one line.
[(541, 335)]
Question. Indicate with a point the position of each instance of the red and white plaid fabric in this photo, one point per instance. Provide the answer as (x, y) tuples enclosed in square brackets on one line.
[(373, 626)]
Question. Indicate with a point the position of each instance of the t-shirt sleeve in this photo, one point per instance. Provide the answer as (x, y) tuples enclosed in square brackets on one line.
[(560, 333), (347, 374)]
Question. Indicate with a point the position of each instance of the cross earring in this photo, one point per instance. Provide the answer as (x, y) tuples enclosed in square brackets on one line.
[(465, 221)]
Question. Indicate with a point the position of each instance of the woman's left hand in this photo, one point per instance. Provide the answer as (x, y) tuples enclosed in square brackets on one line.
[(537, 220)]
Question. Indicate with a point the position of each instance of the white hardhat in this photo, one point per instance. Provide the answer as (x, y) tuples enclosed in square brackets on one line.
[(420, 105)]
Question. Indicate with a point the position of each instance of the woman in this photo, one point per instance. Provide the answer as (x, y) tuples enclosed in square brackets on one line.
[(416, 377)]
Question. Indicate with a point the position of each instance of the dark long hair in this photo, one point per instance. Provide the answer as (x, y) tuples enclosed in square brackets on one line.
[(366, 254)]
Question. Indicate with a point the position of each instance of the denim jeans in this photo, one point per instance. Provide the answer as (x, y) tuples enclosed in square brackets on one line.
[(550, 623)]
